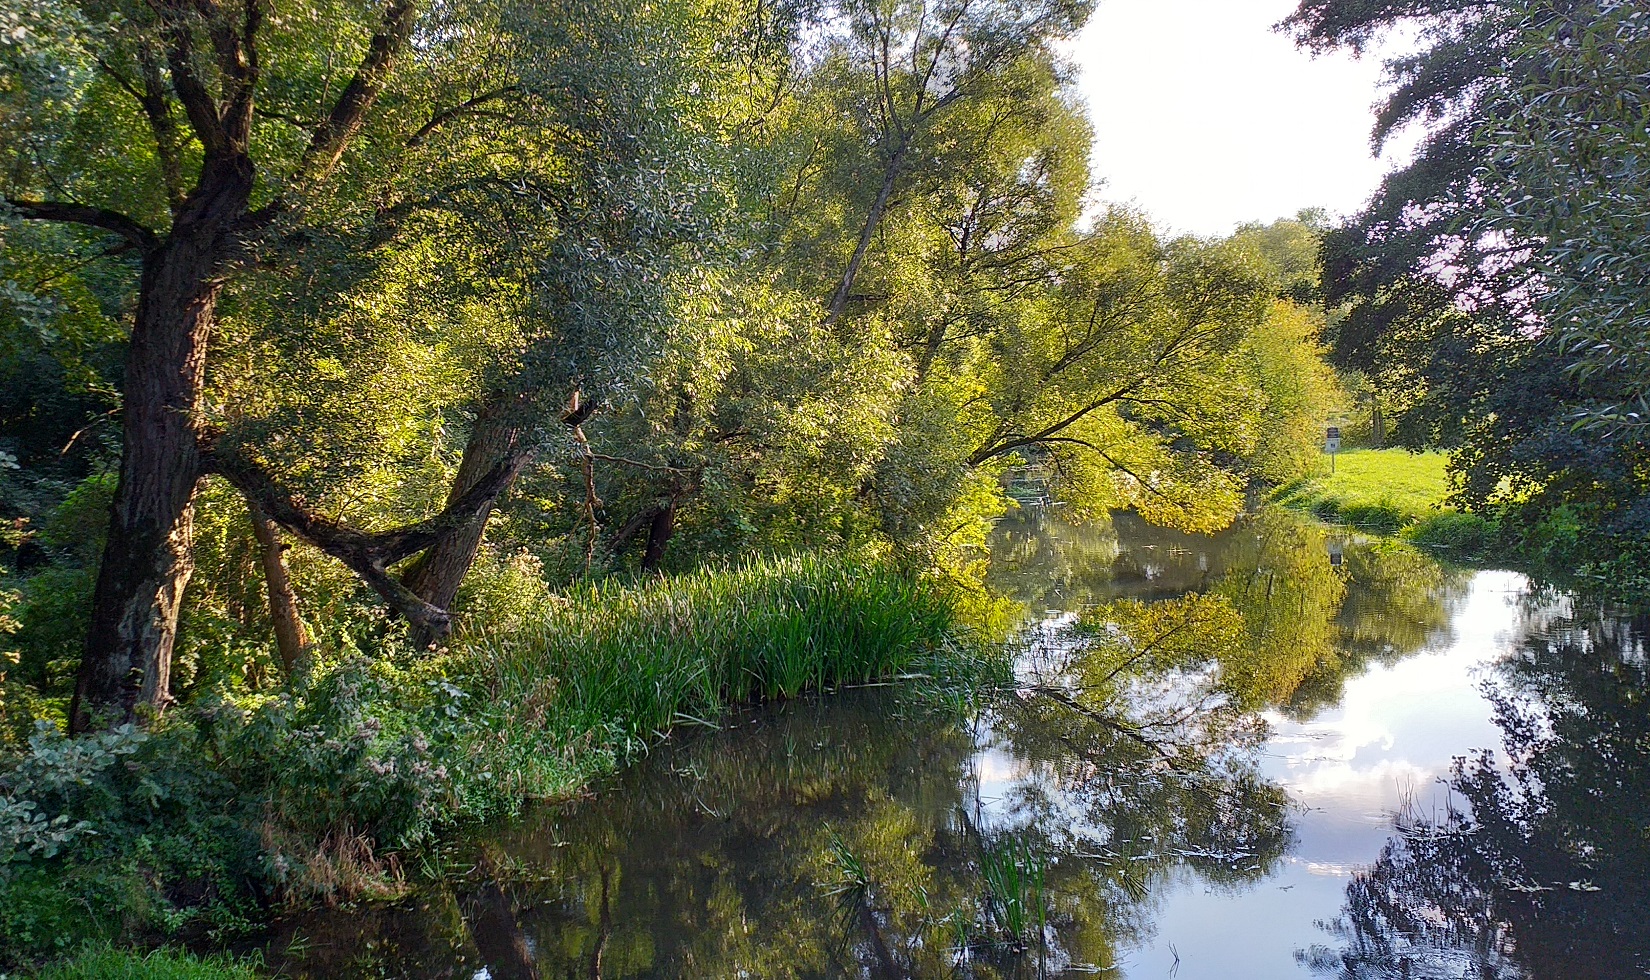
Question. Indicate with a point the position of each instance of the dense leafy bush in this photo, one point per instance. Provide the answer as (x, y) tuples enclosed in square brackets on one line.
[(1456, 535), (122, 830)]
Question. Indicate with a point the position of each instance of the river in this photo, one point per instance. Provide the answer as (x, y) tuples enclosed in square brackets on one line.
[(1344, 760)]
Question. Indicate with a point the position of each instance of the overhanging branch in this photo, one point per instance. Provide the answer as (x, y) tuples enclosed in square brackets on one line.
[(368, 554)]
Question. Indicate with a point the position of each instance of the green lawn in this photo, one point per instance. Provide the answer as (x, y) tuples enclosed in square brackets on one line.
[(1384, 490)]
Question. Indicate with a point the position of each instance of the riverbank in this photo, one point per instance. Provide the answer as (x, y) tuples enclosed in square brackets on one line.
[(335, 789), (1380, 490), (1400, 494)]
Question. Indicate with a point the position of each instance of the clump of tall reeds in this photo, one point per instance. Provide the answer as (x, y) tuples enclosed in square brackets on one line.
[(614, 666)]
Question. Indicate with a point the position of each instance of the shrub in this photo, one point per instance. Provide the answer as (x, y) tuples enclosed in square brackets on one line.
[(86, 824), (1456, 535)]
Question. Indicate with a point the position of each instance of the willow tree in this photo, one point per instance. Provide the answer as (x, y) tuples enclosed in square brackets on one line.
[(913, 65), (210, 183), (212, 146)]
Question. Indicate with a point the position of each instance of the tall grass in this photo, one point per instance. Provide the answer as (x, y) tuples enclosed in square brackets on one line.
[(612, 668), (111, 964)]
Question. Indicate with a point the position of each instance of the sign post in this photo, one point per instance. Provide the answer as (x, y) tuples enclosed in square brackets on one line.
[(1332, 445)]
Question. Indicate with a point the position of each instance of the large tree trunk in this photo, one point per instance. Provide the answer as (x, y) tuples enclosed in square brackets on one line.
[(146, 563), (436, 575), (291, 638)]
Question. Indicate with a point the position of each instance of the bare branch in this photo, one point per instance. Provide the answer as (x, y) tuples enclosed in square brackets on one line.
[(466, 107)]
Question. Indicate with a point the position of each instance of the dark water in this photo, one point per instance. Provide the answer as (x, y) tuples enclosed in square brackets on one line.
[(1361, 765)]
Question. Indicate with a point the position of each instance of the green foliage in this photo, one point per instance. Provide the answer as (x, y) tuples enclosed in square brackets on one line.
[(1492, 289), (1567, 174), (1454, 535), (116, 833)]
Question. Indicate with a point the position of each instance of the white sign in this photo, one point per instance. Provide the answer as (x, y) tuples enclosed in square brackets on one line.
[(1332, 445)]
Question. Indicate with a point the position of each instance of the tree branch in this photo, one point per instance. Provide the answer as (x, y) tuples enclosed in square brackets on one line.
[(463, 108), (84, 214), (198, 103), (368, 554), (328, 142)]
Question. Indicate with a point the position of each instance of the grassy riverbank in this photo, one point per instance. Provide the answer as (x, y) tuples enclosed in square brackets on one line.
[(105, 963), (1381, 490), (1396, 493), (337, 788)]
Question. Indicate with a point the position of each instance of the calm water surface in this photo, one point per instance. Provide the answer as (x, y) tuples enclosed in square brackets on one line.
[(1358, 764)]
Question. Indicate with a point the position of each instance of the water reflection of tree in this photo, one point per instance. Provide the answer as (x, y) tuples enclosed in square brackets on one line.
[(1047, 564), (1308, 624), (1544, 871), (850, 839), (725, 857), (1398, 603)]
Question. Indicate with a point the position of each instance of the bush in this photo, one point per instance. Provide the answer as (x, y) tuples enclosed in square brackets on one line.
[(110, 834), (1461, 536)]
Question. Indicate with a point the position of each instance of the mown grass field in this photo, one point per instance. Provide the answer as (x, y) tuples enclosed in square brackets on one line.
[(1382, 490)]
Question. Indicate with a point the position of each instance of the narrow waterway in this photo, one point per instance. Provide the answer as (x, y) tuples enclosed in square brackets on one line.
[(1347, 760)]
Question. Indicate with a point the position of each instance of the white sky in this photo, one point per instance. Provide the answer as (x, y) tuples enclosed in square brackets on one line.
[(1205, 118)]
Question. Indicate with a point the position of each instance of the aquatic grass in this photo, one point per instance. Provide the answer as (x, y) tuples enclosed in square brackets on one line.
[(1014, 872), (613, 667)]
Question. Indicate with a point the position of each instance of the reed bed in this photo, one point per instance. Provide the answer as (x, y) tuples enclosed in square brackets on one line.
[(613, 667)]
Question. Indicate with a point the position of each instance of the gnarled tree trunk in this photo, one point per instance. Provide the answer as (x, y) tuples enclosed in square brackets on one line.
[(146, 562), (436, 574), (495, 439)]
